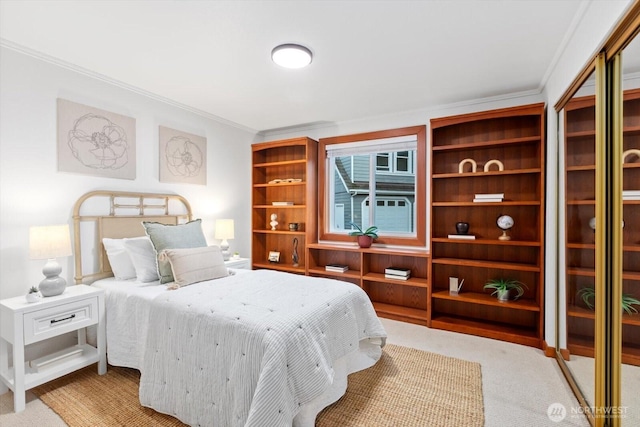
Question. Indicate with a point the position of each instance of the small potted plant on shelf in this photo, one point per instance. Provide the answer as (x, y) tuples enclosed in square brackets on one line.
[(33, 295), (365, 238), (627, 303), (502, 288)]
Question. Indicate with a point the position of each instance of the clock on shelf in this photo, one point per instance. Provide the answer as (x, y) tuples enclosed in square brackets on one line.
[(504, 222)]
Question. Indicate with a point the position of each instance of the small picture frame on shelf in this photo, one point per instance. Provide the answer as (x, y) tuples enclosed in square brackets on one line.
[(274, 256)]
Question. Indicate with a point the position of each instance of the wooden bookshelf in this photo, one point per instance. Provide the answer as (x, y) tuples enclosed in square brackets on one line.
[(515, 137), (283, 171), (404, 300)]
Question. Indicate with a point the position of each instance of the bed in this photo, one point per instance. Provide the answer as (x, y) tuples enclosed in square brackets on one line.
[(248, 348)]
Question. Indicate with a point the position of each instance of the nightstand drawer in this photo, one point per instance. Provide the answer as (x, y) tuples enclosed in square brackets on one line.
[(50, 322)]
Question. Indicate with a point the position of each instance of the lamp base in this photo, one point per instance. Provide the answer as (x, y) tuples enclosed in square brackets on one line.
[(224, 247), (53, 284)]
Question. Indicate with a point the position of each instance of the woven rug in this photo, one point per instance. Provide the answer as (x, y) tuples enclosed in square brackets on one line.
[(406, 388)]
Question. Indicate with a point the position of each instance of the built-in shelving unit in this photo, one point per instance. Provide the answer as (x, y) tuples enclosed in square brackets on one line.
[(284, 171), (580, 180), (515, 137), (404, 300)]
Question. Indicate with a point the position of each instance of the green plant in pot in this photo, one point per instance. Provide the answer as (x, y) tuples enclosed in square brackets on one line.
[(502, 288), (627, 302), (365, 238)]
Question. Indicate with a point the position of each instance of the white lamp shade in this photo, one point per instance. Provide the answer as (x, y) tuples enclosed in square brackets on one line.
[(224, 229), (50, 241)]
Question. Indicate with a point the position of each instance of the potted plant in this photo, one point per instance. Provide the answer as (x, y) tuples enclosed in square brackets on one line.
[(365, 238), (33, 295), (627, 303), (502, 288)]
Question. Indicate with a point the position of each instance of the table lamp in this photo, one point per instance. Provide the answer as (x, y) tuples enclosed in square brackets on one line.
[(50, 242), (224, 231)]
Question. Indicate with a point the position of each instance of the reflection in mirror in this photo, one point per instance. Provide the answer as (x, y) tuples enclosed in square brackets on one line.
[(576, 302), (630, 372)]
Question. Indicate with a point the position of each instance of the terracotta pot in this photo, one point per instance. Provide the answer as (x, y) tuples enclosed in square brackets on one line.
[(365, 241)]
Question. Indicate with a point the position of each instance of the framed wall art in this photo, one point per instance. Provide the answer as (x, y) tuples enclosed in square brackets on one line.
[(95, 142), (183, 157)]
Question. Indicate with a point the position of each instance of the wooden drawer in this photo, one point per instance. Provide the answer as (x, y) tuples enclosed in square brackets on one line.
[(50, 322)]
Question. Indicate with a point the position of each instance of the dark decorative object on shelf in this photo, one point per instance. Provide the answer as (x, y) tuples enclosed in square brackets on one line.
[(462, 227), (295, 257), (293, 226)]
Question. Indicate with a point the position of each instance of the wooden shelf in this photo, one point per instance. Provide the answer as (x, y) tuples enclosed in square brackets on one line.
[(487, 144), (581, 312), (487, 299), (486, 242), (397, 312), (280, 184), (515, 136), (278, 266), (279, 206), (485, 174), (499, 331), (486, 264), (350, 274), (279, 163), (417, 282), (487, 204)]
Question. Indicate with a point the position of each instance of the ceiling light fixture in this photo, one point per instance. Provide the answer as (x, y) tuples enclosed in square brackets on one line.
[(291, 55)]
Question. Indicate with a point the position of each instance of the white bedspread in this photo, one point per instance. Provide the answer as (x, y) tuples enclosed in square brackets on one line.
[(252, 349)]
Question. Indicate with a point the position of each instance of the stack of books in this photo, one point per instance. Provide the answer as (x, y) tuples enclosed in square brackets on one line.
[(631, 195), (282, 203), (487, 198), (397, 273), (338, 268), (462, 236)]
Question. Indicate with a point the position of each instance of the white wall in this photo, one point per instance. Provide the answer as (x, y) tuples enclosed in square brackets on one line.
[(32, 192)]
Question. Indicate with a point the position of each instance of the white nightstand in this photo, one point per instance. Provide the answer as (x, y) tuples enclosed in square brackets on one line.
[(22, 324), (239, 263)]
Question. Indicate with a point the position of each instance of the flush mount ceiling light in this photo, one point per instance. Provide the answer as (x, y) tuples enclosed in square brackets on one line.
[(291, 55)]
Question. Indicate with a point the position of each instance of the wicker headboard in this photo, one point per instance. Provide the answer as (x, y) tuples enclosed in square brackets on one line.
[(117, 214)]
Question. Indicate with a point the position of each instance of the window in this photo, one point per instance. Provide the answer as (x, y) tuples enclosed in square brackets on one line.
[(375, 179)]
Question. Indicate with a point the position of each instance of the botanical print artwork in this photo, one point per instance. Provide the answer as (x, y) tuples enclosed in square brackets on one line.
[(182, 157), (95, 142)]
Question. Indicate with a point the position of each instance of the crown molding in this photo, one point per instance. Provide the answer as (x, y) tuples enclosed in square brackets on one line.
[(101, 77)]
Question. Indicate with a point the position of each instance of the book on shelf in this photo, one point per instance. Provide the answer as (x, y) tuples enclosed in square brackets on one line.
[(339, 268), (282, 203), (631, 195), (396, 271), (490, 196), (396, 277), (487, 200), (462, 236)]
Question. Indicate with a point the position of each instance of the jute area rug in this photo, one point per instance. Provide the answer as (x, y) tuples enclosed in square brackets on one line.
[(406, 388)]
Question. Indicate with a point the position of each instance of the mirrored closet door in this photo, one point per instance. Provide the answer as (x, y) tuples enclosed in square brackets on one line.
[(598, 334)]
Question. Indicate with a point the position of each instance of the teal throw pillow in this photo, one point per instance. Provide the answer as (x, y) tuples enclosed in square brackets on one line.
[(179, 236)]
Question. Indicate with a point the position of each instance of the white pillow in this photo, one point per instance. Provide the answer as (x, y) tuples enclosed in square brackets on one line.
[(120, 261), (192, 265), (143, 257)]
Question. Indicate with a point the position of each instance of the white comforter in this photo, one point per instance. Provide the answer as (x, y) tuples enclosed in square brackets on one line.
[(252, 349)]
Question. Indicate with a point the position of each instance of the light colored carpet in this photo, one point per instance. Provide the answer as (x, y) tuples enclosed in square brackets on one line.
[(406, 388), (518, 382)]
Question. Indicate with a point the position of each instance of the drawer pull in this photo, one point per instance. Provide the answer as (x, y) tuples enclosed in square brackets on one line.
[(54, 321)]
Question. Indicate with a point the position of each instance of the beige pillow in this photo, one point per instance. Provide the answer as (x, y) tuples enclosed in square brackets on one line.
[(194, 265)]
